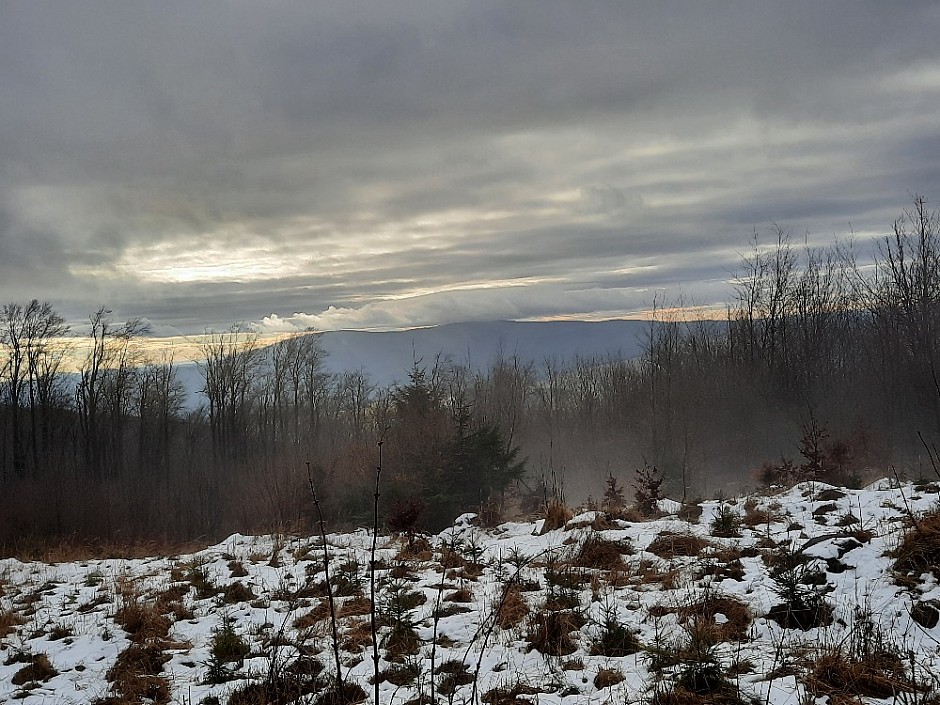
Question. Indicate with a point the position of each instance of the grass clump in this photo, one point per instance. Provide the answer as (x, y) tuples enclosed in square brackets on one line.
[(669, 545), (919, 549), (550, 632), (608, 677), (512, 607), (38, 669), (600, 553)]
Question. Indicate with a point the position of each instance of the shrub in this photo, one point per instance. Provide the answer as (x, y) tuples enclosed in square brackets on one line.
[(803, 606), (227, 647), (726, 522), (614, 638), (647, 493), (613, 495)]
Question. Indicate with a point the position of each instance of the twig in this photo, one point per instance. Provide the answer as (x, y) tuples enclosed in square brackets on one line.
[(375, 538), (326, 580), (931, 453)]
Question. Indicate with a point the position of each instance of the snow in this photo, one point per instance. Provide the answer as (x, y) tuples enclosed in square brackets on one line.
[(83, 598)]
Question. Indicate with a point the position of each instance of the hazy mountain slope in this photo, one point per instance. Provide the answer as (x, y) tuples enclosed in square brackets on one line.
[(387, 356)]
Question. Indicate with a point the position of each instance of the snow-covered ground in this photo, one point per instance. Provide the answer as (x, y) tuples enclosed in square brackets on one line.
[(81, 615)]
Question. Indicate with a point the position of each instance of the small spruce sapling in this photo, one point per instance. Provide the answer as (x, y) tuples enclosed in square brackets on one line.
[(647, 489)]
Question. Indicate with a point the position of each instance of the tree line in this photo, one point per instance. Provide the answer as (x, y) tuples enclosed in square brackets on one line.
[(815, 354)]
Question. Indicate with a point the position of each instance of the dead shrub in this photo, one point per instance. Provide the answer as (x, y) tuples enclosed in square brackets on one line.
[(669, 545)]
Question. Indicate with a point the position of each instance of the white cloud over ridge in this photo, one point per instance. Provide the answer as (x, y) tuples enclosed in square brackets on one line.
[(211, 163)]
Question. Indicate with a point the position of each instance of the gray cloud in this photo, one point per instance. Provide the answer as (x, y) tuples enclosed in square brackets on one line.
[(200, 163)]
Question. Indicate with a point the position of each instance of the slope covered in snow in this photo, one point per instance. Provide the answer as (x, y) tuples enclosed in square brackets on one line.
[(771, 598)]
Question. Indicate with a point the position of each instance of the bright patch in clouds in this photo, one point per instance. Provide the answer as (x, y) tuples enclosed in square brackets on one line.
[(166, 263)]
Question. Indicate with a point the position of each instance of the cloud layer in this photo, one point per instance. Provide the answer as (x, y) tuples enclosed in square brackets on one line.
[(387, 164)]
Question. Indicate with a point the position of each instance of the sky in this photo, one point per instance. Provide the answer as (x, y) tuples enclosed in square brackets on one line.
[(379, 165)]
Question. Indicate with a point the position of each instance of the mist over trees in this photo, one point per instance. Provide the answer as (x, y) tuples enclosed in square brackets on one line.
[(819, 365)]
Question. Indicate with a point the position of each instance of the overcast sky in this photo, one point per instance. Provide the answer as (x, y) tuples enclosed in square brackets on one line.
[(386, 164)]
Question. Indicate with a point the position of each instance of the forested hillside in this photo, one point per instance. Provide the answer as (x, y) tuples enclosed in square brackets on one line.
[(819, 367)]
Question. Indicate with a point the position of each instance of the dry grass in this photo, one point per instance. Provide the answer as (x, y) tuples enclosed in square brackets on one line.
[(512, 607), (9, 621), (738, 616), (355, 607), (557, 514), (843, 678), (607, 677), (461, 595), (358, 636), (550, 632), (135, 677), (142, 620), (74, 550), (759, 516), (313, 617), (670, 545), (38, 669), (919, 549), (598, 552)]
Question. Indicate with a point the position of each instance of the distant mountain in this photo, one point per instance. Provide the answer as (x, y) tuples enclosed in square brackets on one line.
[(388, 356)]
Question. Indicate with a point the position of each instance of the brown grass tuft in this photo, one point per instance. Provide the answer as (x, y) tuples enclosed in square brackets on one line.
[(738, 617), (356, 607), (135, 675), (843, 679), (557, 514), (512, 607), (607, 677), (9, 621), (919, 549), (669, 545), (550, 632), (38, 669), (598, 552)]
